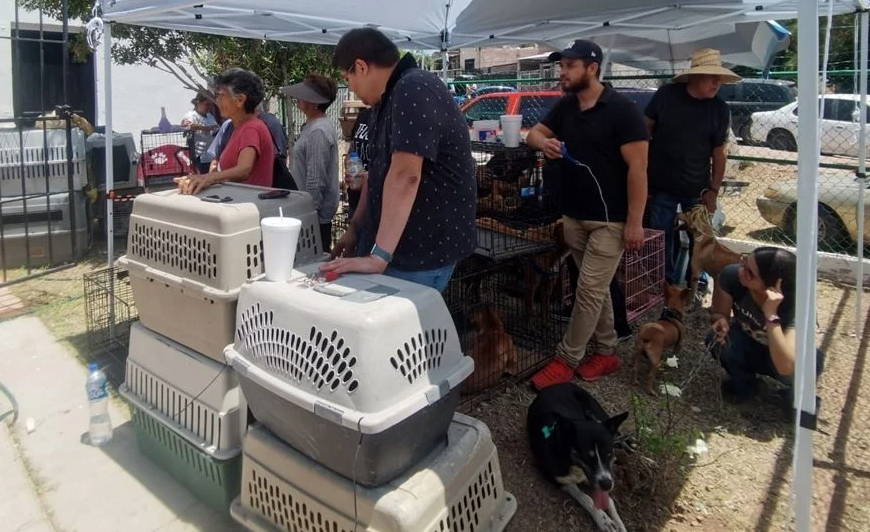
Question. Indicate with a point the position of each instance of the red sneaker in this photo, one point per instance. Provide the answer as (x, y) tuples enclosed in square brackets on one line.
[(555, 372), (598, 366)]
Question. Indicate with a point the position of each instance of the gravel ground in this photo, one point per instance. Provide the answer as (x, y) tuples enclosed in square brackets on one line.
[(742, 483)]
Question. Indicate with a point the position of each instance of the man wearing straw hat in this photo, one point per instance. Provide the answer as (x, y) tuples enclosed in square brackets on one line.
[(689, 125)]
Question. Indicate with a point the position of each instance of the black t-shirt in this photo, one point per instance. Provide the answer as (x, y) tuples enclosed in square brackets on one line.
[(417, 114), (686, 131), (359, 138), (747, 312), (598, 190)]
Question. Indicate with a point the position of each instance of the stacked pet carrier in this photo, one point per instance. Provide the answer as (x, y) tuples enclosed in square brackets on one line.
[(125, 180), (354, 384), (42, 207), (187, 258)]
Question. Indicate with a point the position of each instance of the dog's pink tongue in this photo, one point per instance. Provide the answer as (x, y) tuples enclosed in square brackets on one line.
[(601, 499)]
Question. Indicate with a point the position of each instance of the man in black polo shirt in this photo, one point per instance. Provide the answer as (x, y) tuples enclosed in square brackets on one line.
[(421, 193), (605, 144), (689, 123)]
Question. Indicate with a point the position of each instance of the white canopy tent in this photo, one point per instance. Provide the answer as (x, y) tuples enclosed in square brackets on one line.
[(427, 24), (750, 44)]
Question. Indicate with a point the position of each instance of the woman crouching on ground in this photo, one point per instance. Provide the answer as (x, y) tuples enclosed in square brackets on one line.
[(753, 318)]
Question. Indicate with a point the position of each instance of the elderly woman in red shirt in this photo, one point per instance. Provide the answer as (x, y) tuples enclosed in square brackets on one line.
[(249, 153)]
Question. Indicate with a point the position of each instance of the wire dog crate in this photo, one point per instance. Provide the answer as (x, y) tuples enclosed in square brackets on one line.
[(641, 275), (514, 213), (505, 314), (165, 156), (109, 312)]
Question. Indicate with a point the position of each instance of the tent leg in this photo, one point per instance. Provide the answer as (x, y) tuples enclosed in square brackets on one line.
[(107, 110), (862, 173), (807, 241)]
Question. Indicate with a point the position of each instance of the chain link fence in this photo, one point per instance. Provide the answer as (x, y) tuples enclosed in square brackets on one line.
[(759, 195)]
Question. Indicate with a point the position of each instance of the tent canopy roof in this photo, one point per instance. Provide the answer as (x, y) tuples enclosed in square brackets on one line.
[(433, 25)]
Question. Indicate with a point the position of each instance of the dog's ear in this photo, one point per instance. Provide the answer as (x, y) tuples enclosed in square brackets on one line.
[(613, 423), (685, 293)]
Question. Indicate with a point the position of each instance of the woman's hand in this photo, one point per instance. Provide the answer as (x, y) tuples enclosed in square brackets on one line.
[(194, 184), (774, 299), (351, 185), (720, 329)]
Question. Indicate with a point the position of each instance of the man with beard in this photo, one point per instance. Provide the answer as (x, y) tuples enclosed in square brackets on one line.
[(601, 141)]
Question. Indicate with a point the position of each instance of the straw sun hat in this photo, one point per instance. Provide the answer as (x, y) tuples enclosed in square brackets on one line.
[(708, 61)]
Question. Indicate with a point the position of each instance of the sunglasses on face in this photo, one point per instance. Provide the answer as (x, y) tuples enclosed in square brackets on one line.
[(751, 275)]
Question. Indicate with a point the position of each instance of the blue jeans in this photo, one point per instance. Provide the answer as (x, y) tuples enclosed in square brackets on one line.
[(743, 358), (663, 216), (436, 278)]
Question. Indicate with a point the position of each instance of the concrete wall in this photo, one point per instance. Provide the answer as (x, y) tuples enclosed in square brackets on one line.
[(138, 92)]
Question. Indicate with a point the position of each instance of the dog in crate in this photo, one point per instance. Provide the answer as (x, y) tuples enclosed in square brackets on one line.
[(572, 439), (708, 254), (665, 333), (541, 274), (492, 350)]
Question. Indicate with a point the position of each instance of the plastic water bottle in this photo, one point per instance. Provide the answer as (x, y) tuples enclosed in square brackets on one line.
[(355, 170), (100, 430), (164, 126)]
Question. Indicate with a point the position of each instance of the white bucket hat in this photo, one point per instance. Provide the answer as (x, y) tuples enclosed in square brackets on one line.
[(708, 61)]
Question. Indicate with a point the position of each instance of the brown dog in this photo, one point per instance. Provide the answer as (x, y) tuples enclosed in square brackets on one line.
[(541, 273), (493, 351), (708, 255), (654, 338)]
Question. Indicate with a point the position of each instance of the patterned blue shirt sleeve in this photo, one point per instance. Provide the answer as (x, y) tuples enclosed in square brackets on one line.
[(219, 143), (416, 126)]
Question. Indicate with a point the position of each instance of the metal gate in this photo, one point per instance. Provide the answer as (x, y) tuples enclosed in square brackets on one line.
[(43, 164)]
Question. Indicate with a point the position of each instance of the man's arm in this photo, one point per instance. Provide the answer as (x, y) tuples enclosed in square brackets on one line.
[(400, 192), (635, 156), (720, 156)]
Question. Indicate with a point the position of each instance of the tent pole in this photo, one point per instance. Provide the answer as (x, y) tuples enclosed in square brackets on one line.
[(445, 64), (862, 173), (107, 110), (804, 383)]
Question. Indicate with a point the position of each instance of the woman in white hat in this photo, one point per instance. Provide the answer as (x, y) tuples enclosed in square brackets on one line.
[(689, 125)]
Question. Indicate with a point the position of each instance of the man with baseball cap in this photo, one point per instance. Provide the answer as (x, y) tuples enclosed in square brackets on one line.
[(601, 141), (689, 123), (315, 154)]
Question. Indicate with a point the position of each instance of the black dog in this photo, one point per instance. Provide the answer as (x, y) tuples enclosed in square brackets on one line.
[(572, 439)]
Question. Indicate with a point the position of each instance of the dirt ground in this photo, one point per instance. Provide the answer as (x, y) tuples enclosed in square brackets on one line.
[(742, 483)]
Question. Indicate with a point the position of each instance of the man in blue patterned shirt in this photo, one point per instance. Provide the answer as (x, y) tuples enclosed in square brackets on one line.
[(421, 193)]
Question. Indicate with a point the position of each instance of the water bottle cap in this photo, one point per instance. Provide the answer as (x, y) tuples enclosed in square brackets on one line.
[(353, 154), (93, 366)]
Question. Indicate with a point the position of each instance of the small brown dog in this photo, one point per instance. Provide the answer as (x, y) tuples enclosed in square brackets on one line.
[(708, 255), (493, 351), (654, 338), (541, 273)]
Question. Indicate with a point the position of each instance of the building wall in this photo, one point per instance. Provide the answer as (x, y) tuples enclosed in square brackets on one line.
[(138, 92), (496, 56)]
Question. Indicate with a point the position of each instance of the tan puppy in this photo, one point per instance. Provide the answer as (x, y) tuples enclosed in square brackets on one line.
[(708, 255), (654, 338), (493, 351)]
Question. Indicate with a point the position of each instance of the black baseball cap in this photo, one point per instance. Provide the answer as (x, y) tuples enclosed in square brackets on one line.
[(579, 50)]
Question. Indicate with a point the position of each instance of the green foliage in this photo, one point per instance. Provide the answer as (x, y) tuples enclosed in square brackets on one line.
[(657, 433), (193, 58)]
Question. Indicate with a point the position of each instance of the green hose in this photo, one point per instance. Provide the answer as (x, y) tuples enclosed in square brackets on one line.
[(14, 411)]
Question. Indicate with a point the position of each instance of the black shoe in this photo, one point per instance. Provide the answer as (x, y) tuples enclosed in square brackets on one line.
[(736, 394), (787, 404)]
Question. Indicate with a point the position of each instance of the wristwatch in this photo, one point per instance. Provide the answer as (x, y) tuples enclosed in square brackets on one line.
[(386, 256), (773, 319)]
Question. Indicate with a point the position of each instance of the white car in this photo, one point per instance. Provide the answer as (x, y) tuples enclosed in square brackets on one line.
[(779, 129)]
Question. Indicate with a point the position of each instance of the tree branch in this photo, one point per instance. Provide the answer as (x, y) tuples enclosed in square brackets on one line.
[(188, 83)]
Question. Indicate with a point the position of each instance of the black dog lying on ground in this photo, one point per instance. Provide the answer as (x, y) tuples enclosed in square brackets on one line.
[(572, 439)]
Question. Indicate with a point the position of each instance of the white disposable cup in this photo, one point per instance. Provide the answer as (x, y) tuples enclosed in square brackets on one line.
[(280, 235), (510, 127)]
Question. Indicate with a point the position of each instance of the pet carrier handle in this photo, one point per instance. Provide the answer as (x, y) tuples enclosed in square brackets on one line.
[(182, 283)]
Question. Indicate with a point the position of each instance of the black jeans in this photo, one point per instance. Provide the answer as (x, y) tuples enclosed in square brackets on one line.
[(326, 236), (743, 358)]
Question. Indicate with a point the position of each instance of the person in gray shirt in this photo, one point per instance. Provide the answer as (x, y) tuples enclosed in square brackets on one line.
[(314, 162)]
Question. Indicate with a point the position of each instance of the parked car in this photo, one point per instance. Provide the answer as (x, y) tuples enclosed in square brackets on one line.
[(838, 211), (533, 105), (839, 126), (461, 99), (750, 96)]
